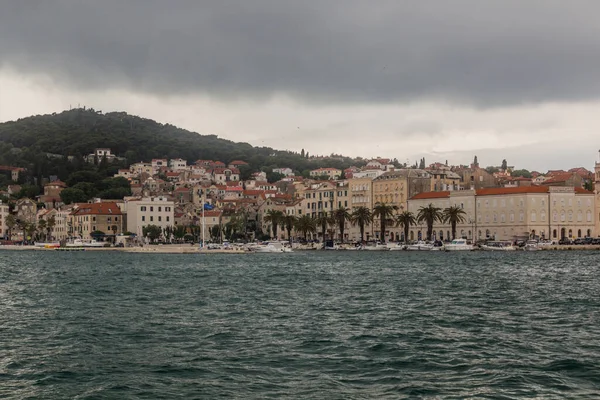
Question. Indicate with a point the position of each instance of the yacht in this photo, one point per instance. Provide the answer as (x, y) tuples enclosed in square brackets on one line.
[(498, 246), (375, 247), (47, 245), (85, 243), (420, 246), (459, 245), (396, 246), (532, 245), (272, 247)]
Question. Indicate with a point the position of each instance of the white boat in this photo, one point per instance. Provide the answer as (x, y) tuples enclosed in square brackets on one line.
[(47, 245), (459, 245), (272, 247), (420, 246), (396, 246), (85, 243), (531, 245), (375, 247), (498, 246)]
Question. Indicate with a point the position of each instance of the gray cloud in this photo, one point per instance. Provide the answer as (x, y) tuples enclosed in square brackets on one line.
[(481, 53)]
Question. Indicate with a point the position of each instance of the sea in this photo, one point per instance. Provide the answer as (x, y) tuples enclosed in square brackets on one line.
[(303, 325)]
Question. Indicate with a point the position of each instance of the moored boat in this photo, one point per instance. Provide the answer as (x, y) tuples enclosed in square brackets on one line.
[(459, 245), (532, 245), (420, 246), (85, 243), (498, 246)]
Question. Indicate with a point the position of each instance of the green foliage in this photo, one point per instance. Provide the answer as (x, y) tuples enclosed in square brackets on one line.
[(385, 214), (430, 214), (405, 219), (504, 165), (521, 172), (361, 216), (88, 188), (78, 132), (152, 232), (305, 225), (70, 195), (274, 176), (453, 215), (492, 170), (29, 191)]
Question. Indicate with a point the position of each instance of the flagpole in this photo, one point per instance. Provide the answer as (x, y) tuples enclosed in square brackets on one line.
[(203, 220)]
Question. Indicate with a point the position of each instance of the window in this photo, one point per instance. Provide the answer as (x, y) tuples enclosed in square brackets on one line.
[(143, 208), (151, 218), (108, 219), (533, 216), (521, 216), (543, 215), (151, 208), (502, 218), (562, 216), (495, 218), (143, 218), (554, 216), (168, 218), (589, 216), (159, 209), (570, 215), (512, 217)]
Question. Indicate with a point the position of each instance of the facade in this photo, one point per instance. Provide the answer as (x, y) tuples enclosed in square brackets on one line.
[(284, 171), (4, 212), (319, 198), (178, 164), (149, 211), (26, 211), (515, 213), (330, 173), (99, 154), (597, 196), (86, 218)]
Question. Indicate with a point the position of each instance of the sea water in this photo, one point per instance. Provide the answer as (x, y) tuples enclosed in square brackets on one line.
[(322, 325)]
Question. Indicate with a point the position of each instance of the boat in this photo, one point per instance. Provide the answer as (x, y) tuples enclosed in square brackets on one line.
[(272, 247), (498, 246), (459, 245), (396, 246), (69, 249), (532, 245), (420, 246), (47, 245), (375, 247), (85, 243)]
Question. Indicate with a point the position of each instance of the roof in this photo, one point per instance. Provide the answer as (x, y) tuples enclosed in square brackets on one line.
[(324, 169), (103, 208), (512, 190), (431, 195), (253, 192), (238, 162), (57, 182), (183, 189), (562, 177), (173, 173), (222, 170)]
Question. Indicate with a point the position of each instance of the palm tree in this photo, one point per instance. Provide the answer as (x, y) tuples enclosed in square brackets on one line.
[(453, 215), (405, 219), (10, 222), (385, 213), (429, 215), (361, 216), (288, 221), (274, 217), (341, 215), (50, 224), (322, 221), (306, 224), (42, 225)]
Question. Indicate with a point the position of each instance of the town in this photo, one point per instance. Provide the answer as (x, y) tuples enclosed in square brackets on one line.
[(204, 201)]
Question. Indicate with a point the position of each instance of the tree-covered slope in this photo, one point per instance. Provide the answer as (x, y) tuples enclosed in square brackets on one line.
[(78, 132)]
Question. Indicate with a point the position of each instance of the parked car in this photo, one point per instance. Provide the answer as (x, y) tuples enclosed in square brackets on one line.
[(565, 241)]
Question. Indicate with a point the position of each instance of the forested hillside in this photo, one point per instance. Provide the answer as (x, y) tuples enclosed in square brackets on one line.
[(35, 143)]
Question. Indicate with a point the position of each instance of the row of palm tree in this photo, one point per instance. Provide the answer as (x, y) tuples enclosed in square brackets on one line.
[(363, 216)]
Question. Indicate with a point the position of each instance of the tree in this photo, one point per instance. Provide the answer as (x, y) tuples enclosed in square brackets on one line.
[(385, 213), (152, 232), (504, 165), (10, 222), (322, 221), (179, 232), (302, 153), (453, 215), (42, 225), (521, 172), (405, 219), (70, 195), (288, 222), (475, 162), (429, 214), (341, 215), (422, 163), (305, 225), (50, 224), (361, 216), (275, 218)]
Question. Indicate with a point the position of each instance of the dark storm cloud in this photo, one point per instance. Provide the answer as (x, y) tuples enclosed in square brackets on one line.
[(479, 52)]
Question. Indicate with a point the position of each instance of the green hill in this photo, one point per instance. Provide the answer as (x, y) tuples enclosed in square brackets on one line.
[(34, 142)]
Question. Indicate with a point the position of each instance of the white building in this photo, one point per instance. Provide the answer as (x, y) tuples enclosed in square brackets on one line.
[(284, 171), (178, 164), (149, 211), (4, 212)]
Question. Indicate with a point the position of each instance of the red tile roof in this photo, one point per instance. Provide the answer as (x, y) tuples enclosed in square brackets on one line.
[(431, 195), (104, 208)]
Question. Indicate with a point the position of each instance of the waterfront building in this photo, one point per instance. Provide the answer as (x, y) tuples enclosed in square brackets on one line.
[(85, 218), (597, 196), (149, 211), (4, 212), (515, 213), (319, 198)]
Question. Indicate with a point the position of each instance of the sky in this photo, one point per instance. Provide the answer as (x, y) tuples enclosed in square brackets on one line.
[(445, 80)]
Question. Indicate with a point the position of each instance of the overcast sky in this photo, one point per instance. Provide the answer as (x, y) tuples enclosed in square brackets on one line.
[(444, 80)]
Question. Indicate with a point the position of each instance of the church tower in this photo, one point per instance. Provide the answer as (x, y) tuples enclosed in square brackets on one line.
[(597, 195)]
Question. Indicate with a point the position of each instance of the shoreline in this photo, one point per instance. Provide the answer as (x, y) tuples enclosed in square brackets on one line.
[(178, 249)]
